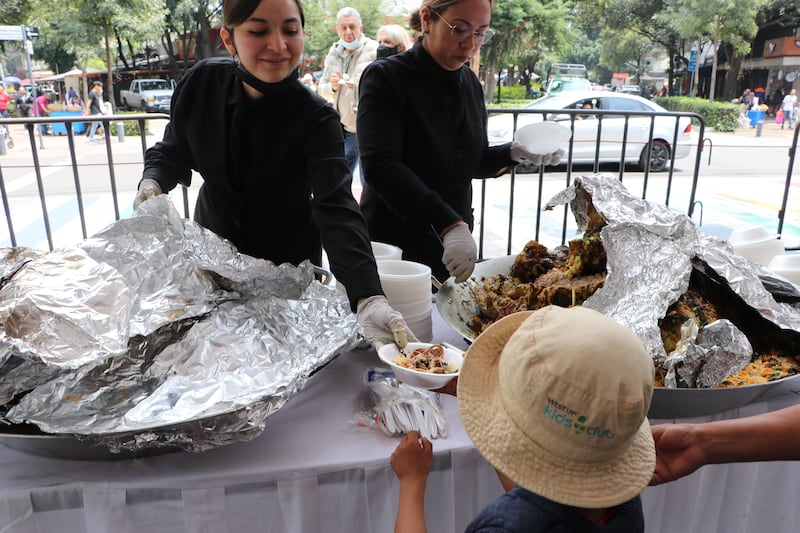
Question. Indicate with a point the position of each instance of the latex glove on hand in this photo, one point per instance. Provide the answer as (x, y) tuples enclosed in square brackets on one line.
[(382, 324), (460, 252), (147, 189), (519, 154)]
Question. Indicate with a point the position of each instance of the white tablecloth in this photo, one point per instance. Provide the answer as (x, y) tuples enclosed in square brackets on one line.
[(314, 471)]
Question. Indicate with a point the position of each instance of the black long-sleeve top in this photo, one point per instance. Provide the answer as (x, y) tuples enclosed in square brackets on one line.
[(276, 183), (422, 137)]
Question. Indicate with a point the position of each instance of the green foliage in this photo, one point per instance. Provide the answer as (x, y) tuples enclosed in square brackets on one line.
[(515, 92), (131, 126), (13, 12), (720, 116)]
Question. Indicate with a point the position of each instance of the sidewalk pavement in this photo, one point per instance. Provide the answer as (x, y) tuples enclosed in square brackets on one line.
[(57, 146)]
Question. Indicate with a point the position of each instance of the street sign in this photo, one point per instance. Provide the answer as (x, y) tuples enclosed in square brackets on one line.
[(692, 60), (11, 33), (31, 33)]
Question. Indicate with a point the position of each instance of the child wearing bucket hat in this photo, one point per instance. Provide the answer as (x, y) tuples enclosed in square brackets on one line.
[(556, 400)]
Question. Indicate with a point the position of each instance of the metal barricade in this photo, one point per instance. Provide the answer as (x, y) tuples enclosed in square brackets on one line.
[(566, 171), (35, 161), (525, 193)]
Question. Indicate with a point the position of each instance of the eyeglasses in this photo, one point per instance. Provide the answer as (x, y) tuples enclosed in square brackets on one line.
[(462, 33)]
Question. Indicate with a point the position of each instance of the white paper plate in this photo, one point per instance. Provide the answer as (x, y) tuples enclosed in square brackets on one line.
[(543, 137)]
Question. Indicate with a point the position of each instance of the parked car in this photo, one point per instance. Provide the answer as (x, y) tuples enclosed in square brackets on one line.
[(630, 89), (149, 95), (501, 128)]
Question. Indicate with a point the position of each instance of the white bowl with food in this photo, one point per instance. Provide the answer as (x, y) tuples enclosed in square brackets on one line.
[(424, 365)]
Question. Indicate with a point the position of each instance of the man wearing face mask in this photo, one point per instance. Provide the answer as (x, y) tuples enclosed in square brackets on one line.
[(343, 66)]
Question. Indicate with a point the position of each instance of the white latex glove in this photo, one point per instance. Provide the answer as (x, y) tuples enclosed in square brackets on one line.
[(519, 154), (147, 189), (382, 324), (460, 252)]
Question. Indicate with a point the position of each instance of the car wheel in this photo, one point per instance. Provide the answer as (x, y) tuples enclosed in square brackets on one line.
[(659, 156)]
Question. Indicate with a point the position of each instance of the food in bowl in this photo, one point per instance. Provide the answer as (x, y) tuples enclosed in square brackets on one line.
[(424, 379), (426, 359)]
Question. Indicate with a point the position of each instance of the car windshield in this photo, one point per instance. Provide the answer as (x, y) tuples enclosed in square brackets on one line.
[(154, 85), (559, 85)]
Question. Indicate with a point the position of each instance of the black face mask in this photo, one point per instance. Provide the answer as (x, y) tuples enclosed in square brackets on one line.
[(261, 86), (386, 51)]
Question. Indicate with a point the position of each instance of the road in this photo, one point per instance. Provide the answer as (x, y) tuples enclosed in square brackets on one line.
[(741, 183)]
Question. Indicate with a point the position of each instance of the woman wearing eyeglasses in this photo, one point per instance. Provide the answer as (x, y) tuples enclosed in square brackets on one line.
[(422, 132)]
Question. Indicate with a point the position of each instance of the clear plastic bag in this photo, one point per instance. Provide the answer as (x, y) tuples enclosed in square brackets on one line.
[(396, 408)]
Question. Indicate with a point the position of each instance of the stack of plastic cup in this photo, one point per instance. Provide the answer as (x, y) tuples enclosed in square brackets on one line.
[(787, 265), (756, 243), (407, 286), (383, 251)]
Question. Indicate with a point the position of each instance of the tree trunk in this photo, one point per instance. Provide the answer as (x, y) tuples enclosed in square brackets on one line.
[(173, 62), (110, 80), (731, 89), (203, 49), (120, 50), (714, 61)]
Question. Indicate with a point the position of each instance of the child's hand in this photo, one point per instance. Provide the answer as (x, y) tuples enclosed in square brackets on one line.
[(412, 458)]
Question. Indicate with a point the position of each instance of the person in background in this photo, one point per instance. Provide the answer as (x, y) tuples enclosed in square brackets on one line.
[(5, 99), (308, 81), (277, 184), (683, 448), (42, 110), (422, 134), (24, 102), (788, 105), (339, 83), (95, 108), (392, 39), (565, 429), (75, 101), (71, 93)]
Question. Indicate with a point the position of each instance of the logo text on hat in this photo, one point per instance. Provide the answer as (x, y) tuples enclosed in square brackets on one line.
[(564, 416)]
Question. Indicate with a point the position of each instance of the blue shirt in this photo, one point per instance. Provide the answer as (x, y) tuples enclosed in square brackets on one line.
[(522, 511)]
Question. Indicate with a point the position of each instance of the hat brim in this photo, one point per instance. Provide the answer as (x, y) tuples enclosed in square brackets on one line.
[(496, 436)]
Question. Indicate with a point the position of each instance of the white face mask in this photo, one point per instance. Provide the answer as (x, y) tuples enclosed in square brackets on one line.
[(350, 46)]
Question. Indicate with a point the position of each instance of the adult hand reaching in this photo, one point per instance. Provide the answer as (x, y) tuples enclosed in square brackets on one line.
[(460, 252), (148, 188), (678, 453), (519, 154), (382, 324)]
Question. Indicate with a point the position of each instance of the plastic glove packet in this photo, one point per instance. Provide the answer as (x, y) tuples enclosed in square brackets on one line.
[(396, 408)]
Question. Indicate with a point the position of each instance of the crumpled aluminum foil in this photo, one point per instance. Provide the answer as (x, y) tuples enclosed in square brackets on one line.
[(650, 250), (159, 333)]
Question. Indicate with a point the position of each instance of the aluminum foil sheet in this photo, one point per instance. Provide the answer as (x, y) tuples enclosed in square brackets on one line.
[(650, 251), (190, 344)]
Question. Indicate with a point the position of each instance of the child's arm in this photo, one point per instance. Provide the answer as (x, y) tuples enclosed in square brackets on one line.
[(411, 461)]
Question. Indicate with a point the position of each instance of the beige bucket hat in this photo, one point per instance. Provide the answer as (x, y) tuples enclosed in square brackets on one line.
[(557, 400)]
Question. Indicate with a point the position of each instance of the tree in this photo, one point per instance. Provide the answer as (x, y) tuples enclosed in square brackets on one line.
[(637, 16), (718, 21), (625, 51), (84, 27), (188, 24), (525, 30)]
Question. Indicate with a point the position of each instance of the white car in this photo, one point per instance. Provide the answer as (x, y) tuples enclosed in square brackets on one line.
[(584, 139)]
